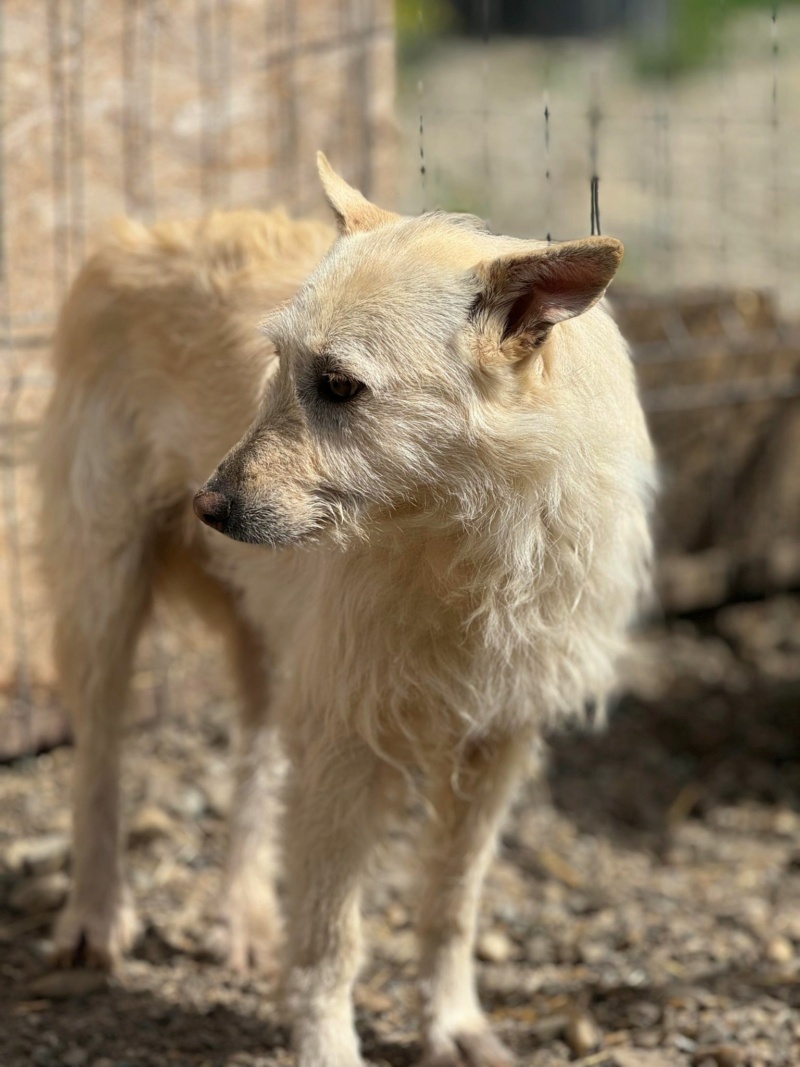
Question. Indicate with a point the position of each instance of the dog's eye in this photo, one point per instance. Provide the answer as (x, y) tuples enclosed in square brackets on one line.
[(339, 387)]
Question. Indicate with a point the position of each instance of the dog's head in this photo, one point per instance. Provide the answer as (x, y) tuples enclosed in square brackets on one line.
[(407, 344)]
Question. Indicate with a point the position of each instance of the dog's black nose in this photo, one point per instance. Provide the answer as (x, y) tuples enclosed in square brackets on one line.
[(213, 508)]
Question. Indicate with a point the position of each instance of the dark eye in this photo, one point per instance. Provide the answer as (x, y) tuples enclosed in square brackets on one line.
[(339, 387)]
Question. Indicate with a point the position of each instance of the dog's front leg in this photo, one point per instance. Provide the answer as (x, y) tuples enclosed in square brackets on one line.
[(468, 804), (335, 805)]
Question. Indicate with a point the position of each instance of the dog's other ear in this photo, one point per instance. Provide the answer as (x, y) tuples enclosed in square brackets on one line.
[(354, 213), (529, 293)]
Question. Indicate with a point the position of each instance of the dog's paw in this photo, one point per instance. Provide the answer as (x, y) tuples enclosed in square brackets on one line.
[(247, 937), (467, 1048), (90, 938)]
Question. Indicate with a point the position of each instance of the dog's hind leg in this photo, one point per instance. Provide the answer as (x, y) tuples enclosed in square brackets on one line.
[(101, 601), (468, 807), (247, 930)]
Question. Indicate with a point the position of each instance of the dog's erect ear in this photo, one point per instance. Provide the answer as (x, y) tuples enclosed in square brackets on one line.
[(354, 212), (529, 292)]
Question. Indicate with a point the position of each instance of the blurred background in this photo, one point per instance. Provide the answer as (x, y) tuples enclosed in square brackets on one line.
[(645, 908)]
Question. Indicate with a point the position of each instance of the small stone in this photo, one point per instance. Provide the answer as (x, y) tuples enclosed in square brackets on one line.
[(593, 952), (36, 895), (648, 1039), (547, 1029), (785, 822), (374, 1001), (190, 802), (75, 1057), (41, 947), (149, 824), (218, 794), (780, 950), (64, 985), (43, 854), (628, 1057), (713, 1032), (718, 1055), (401, 948), (494, 946), (582, 1034), (397, 916)]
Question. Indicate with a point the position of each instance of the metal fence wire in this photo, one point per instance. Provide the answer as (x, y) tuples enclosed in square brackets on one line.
[(695, 171), (150, 108), (155, 108)]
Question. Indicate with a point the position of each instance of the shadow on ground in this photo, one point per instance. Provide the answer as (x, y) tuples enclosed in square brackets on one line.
[(656, 764)]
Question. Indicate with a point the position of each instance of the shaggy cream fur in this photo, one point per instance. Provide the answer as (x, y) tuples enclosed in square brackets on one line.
[(437, 531)]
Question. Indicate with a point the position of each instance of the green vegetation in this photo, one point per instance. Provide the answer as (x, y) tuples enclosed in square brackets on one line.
[(693, 35)]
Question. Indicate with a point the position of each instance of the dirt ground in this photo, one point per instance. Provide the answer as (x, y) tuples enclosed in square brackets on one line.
[(643, 911)]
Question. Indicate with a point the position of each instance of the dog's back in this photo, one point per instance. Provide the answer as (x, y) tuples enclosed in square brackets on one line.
[(158, 345), (159, 367)]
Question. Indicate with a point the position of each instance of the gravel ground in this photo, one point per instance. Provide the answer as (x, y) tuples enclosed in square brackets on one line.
[(643, 911)]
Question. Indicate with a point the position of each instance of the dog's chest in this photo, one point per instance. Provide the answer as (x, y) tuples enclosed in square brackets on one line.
[(368, 641)]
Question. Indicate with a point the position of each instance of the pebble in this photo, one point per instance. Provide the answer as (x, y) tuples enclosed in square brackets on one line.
[(397, 916), (374, 1001), (648, 1039), (718, 1055), (75, 1057), (593, 952), (494, 946), (548, 1028), (402, 948), (190, 802), (149, 824), (582, 1034), (44, 893), (218, 793), (41, 947), (64, 985), (43, 854), (628, 1057), (785, 822), (780, 949)]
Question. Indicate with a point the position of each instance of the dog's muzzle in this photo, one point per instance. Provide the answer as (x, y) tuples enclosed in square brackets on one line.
[(242, 520)]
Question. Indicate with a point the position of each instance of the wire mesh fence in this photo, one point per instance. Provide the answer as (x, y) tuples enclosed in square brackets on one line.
[(695, 170), (154, 108), (150, 108)]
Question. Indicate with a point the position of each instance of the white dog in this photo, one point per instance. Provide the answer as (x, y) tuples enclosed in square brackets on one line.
[(437, 533)]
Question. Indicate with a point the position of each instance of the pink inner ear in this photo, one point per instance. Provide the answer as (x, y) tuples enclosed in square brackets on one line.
[(557, 307), (537, 308), (557, 290)]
